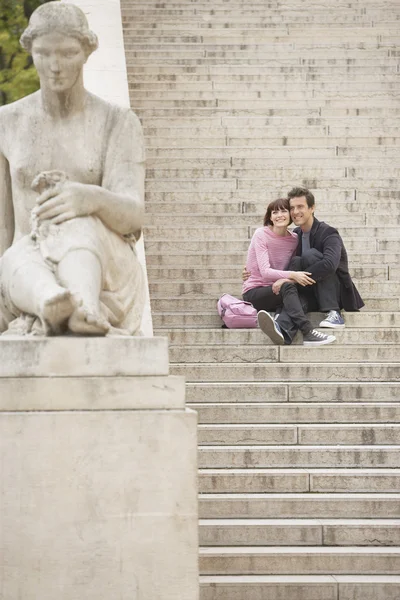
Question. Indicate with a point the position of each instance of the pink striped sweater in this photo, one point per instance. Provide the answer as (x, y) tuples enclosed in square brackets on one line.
[(267, 256)]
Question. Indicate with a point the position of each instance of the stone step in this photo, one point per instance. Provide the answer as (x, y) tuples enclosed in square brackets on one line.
[(253, 221), (275, 560), (210, 320), (240, 232), (200, 238), (202, 67), (215, 289), (298, 412), (263, 91), (267, 54), (174, 171), (299, 532), (199, 273), (205, 54), (298, 142), (301, 141), (327, 34), (235, 208), (295, 354), (165, 21), (309, 435), (237, 260), (299, 587), (217, 113), (341, 197), (328, 480), (370, 37), (183, 16), (300, 506), (223, 243), (251, 156), (144, 71), (257, 94), (252, 74), (207, 321), (254, 122), (275, 4), (263, 34), (193, 59), (215, 8), (240, 457), (174, 22), (249, 337), (263, 392), (218, 107), (216, 147), (183, 176)]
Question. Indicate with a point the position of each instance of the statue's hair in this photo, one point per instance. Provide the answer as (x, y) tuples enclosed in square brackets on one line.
[(62, 17)]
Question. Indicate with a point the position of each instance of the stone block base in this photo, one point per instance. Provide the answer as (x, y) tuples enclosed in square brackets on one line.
[(97, 501)]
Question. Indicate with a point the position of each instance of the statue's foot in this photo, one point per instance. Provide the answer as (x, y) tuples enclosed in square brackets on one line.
[(56, 310), (87, 322)]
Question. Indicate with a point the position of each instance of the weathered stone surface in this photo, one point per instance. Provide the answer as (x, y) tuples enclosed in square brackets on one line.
[(95, 393), (68, 356), (89, 504), (271, 561), (268, 587)]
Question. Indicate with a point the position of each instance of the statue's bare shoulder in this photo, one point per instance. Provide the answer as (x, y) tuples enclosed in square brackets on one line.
[(12, 115), (114, 112)]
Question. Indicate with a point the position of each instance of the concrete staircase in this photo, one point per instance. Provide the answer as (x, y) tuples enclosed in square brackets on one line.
[(299, 450)]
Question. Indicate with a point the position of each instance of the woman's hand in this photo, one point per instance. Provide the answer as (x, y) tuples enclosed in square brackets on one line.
[(301, 277), (276, 286), (64, 202), (245, 274)]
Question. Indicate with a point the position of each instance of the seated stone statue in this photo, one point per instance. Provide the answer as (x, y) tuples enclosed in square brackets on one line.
[(71, 194)]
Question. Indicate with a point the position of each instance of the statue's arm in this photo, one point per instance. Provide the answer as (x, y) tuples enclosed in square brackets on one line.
[(6, 206), (121, 201), (123, 209)]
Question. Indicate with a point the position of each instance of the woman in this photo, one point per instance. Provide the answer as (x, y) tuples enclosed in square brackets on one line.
[(270, 286), (71, 194)]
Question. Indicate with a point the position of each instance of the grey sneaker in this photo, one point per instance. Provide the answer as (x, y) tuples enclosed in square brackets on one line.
[(333, 320), (270, 327), (316, 338)]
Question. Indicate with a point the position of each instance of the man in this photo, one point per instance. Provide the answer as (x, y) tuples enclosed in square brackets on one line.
[(322, 254)]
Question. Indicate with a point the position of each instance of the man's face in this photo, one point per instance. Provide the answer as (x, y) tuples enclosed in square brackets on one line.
[(59, 60), (302, 215)]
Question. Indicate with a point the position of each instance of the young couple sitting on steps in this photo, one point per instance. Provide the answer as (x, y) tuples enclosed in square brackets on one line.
[(294, 272)]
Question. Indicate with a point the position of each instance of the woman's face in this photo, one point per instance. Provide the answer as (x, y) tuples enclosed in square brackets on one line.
[(59, 61), (280, 217)]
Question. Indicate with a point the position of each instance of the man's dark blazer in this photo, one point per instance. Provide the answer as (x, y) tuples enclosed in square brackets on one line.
[(327, 240)]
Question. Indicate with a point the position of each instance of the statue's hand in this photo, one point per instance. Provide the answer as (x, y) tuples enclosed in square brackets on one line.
[(64, 202)]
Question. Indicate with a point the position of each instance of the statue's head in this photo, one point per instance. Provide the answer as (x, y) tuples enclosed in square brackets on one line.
[(62, 18)]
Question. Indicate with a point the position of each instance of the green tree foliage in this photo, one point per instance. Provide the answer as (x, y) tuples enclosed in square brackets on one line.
[(17, 74)]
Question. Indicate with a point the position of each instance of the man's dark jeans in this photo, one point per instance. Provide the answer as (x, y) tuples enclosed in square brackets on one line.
[(322, 296), (288, 303)]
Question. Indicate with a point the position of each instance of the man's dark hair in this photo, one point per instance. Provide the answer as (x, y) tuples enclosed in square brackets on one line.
[(276, 205), (297, 192)]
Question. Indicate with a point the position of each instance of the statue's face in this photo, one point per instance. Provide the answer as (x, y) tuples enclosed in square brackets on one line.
[(59, 60)]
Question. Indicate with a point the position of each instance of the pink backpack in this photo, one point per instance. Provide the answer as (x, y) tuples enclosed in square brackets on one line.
[(236, 314)]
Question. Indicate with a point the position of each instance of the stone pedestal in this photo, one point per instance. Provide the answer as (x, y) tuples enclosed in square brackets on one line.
[(98, 473)]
